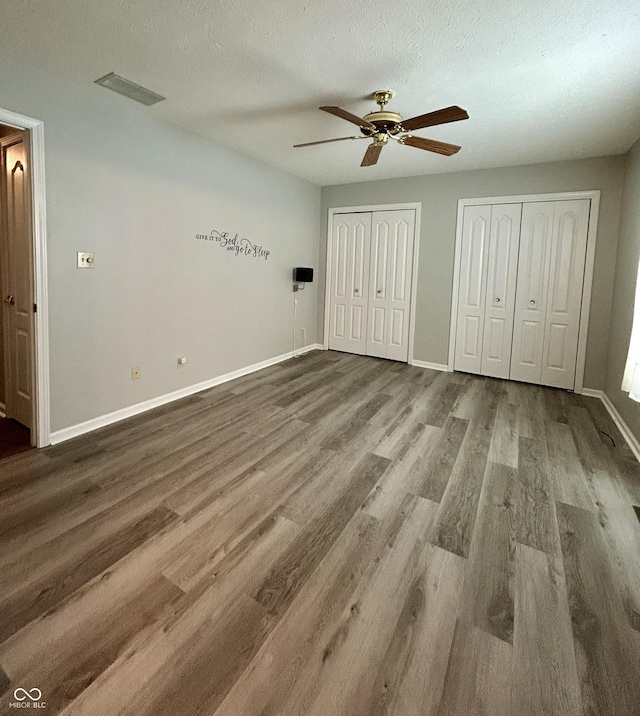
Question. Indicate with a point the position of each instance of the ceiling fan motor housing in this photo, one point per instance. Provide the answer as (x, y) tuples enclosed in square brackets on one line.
[(388, 122)]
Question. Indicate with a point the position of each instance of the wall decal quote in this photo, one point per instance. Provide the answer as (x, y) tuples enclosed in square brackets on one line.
[(240, 247)]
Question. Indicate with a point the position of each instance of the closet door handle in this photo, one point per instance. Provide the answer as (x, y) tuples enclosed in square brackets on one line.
[(497, 300), (356, 290), (379, 290), (532, 302)]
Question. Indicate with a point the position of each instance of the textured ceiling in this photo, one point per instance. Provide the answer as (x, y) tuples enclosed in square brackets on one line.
[(542, 81)]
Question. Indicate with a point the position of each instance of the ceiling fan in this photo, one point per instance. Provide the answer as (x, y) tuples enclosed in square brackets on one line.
[(381, 126)]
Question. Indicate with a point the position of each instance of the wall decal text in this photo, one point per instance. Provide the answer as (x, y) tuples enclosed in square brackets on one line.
[(240, 247)]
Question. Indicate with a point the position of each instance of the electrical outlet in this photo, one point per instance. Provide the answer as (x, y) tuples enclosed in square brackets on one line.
[(304, 336), (182, 360), (135, 373)]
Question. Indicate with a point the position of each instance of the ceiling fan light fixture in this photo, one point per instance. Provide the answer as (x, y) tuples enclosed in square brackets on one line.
[(382, 125)]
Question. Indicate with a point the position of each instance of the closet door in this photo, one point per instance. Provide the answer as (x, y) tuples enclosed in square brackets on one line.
[(349, 282), (390, 270), (501, 288), (564, 300), (531, 292), (476, 227)]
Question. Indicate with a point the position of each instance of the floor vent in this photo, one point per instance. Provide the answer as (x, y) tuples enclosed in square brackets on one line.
[(129, 89)]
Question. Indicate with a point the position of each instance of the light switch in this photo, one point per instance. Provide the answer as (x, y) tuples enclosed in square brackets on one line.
[(86, 259)]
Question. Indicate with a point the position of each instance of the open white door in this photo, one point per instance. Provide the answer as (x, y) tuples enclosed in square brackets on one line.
[(391, 261), (18, 303)]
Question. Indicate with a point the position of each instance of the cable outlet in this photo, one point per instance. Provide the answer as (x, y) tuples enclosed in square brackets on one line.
[(182, 360), (135, 373), (86, 259)]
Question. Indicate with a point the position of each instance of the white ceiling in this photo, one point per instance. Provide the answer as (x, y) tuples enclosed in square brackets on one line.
[(542, 81)]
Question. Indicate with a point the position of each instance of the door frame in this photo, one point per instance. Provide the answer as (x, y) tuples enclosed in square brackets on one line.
[(415, 206), (594, 197), (41, 426)]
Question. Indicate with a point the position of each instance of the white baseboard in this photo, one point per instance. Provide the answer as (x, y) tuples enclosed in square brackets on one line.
[(102, 421), (431, 366), (631, 439), (592, 393)]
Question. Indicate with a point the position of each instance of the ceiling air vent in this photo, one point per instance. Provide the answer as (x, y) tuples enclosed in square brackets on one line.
[(129, 89)]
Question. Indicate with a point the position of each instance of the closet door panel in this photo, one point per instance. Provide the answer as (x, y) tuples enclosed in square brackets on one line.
[(391, 265), (564, 300), (531, 291), (476, 227), (501, 282), (378, 294), (339, 306), (349, 282)]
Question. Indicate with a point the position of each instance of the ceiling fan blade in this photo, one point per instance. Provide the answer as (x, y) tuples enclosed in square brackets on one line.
[(440, 116), (325, 141), (371, 155), (343, 114), (431, 145)]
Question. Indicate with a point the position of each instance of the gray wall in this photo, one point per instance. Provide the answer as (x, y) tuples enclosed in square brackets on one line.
[(624, 292), (136, 191), (439, 195)]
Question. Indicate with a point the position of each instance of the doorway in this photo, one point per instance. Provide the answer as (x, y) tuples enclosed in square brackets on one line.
[(522, 287), (24, 380), (372, 264)]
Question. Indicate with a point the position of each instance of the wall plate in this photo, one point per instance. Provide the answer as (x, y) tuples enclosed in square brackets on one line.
[(86, 259)]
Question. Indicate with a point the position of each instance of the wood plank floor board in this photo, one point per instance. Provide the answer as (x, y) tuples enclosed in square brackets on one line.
[(436, 467), (569, 481), (479, 677), (504, 441), (391, 626), (607, 656), (292, 655), (470, 398), (441, 397), (204, 646), (413, 670), (75, 665), (530, 410), (536, 513), (287, 576), (71, 536), (401, 436), (336, 534), (457, 513), (543, 653), (554, 405), (488, 595), (41, 596)]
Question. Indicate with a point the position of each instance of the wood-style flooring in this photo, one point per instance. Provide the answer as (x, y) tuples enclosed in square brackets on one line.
[(333, 536), (14, 438)]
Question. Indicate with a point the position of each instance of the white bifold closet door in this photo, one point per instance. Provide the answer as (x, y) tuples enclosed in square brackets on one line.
[(551, 268), (349, 282), (391, 257), (370, 283), (489, 260)]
